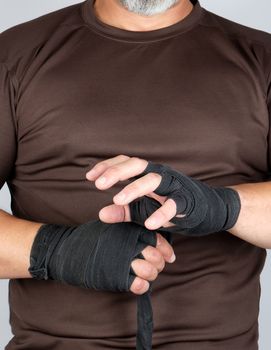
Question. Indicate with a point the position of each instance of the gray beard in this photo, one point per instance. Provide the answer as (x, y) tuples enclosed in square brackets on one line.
[(148, 7)]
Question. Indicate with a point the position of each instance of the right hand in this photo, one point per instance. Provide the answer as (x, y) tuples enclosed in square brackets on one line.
[(147, 269), (98, 255)]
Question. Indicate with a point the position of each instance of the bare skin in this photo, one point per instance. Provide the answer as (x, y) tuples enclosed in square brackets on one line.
[(16, 237), (113, 13)]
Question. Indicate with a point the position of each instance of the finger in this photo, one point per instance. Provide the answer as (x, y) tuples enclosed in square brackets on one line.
[(115, 213), (154, 256), (139, 286), (120, 172), (165, 249), (169, 224), (144, 269), (162, 215), (100, 167), (138, 188), (160, 199)]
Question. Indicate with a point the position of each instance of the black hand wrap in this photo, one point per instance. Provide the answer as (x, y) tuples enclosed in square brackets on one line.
[(95, 255), (207, 209)]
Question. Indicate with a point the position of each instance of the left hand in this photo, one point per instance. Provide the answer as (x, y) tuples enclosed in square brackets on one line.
[(121, 168), (206, 209)]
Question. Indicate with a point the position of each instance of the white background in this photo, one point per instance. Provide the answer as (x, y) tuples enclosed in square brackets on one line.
[(252, 13)]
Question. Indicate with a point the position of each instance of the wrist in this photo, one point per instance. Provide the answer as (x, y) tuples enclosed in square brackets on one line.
[(232, 204), (45, 242)]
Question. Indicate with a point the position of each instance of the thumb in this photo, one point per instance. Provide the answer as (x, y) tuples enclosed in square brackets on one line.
[(115, 213)]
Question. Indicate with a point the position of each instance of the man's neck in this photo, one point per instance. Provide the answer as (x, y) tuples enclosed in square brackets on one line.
[(113, 13)]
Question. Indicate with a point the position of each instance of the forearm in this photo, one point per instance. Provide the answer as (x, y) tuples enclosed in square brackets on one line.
[(254, 221), (16, 238)]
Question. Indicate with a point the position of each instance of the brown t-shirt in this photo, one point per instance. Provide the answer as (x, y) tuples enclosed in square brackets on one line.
[(194, 95)]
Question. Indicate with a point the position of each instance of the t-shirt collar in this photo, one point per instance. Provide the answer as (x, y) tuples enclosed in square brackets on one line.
[(185, 24)]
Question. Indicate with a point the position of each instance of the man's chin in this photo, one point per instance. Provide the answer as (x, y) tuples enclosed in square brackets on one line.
[(148, 7)]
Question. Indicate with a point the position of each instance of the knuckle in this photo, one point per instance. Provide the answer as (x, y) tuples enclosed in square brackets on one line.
[(136, 265), (154, 176), (138, 286), (151, 273), (144, 269), (98, 167), (123, 156), (145, 252), (147, 270), (135, 187), (138, 162), (113, 170), (156, 255), (134, 158), (162, 266), (155, 275)]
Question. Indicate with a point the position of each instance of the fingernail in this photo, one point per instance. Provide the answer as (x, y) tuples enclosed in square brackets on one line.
[(152, 221), (120, 196), (173, 258), (91, 172), (101, 180)]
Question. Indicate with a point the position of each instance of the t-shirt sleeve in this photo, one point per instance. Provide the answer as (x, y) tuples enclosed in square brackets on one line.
[(8, 139)]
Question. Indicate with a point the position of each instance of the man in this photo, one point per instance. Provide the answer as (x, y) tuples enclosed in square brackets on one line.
[(123, 83)]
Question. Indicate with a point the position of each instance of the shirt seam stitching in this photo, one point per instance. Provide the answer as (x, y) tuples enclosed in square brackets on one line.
[(240, 35), (98, 32), (15, 83), (249, 40)]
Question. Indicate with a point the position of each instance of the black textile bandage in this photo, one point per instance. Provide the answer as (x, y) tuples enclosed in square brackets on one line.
[(96, 255), (207, 209)]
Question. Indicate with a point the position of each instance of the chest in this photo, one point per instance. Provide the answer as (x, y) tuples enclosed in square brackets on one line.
[(204, 114)]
